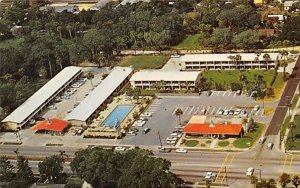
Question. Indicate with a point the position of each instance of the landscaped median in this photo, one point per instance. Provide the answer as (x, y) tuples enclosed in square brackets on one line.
[(293, 140)]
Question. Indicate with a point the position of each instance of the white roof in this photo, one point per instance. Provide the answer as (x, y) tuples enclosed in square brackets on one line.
[(42, 95), (157, 75), (224, 57), (90, 104), (280, 17), (289, 3)]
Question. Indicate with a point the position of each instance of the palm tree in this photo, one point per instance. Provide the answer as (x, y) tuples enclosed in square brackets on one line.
[(266, 57), (271, 183), (296, 181), (59, 29), (243, 78), (69, 27), (232, 58), (291, 126), (284, 179), (284, 64), (161, 85), (253, 180), (90, 76), (238, 58), (178, 113)]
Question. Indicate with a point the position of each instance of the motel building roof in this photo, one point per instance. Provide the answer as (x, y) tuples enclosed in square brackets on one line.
[(224, 57), (213, 125), (158, 75), (53, 124)]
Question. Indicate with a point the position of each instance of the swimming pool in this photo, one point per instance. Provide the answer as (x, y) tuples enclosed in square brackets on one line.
[(118, 114)]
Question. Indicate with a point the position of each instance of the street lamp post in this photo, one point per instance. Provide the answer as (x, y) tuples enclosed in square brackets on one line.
[(159, 139)]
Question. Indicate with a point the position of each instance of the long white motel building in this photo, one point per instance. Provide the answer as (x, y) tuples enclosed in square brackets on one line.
[(227, 61)]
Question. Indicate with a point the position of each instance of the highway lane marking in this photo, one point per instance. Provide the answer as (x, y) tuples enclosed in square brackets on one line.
[(227, 169), (290, 165), (225, 159), (286, 156)]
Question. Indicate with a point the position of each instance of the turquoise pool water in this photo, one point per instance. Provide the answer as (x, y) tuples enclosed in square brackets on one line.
[(118, 114)]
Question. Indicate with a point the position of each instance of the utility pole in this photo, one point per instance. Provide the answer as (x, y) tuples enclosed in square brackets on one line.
[(226, 176), (159, 139)]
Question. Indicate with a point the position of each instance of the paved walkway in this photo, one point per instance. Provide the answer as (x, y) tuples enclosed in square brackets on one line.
[(213, 143)]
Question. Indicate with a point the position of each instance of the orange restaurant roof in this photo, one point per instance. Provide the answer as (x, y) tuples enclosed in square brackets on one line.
[(197, 128), (55, 125)]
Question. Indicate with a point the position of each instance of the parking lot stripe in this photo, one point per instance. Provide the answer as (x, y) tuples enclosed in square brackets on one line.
[(224, 93), (218, 93), (212, 112), (185, 110), (191, 110), (175, 110), (197, 110), (219, 109), (234, 94)]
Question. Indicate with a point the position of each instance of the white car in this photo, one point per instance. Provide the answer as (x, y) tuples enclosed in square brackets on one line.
[(120, 148), (139, 123), (171, 139), (52, 107), (146, 114), (270, 145), (171, 142), (220, 112), (181, 150), (210, 176), (250, 171), (132, 133), (256, 108), (237, 111), (175, 56), (226, 112)]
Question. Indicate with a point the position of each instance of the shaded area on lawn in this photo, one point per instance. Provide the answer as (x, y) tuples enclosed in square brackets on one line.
[(250, 137)]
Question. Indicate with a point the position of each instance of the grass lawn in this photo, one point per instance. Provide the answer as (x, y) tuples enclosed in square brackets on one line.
[(145, 61), (268, 111), (250, 137), (191, 143), (233, 76), (284, 126), (294, 145), (10, 42), (223, 143), (191, 42)]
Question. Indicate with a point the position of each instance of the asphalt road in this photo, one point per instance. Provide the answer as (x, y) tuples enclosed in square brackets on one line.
[(192, 165), (288, 93)]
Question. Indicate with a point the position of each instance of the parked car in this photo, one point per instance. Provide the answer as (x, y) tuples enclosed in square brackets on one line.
[(208, 93), (220, 112), (120, 148), (175, 56), (238, 92), (231, 112), (181, 150), (132, 133), (226, 112), (262, 140), (203, 111), (146, 114), (143, 119), (237, 111), (52, 107), (250, 171), (256, 108), (146, 130), (39, 119), (243, 113), (139, 123), (173, 142), (134, 129), (171, 138), (270, 145)]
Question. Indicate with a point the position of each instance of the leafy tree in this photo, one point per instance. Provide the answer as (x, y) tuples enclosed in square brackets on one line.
[(220, 38), (296, 181), (247, 40), (134, 168), (6, 169), (90, 76), (284, 179), (291, 30), (24, 171), (52, 168)]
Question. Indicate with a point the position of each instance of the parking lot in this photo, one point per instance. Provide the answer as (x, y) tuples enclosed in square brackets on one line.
[(69, 100), (165, 120)]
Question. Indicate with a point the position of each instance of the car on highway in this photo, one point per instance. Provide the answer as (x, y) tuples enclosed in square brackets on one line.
[(181, 150), (210, 176), (164, 150), (120, 148), (250, 171), (146, 130), (270, 145), (146, 114), (262, 140)]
